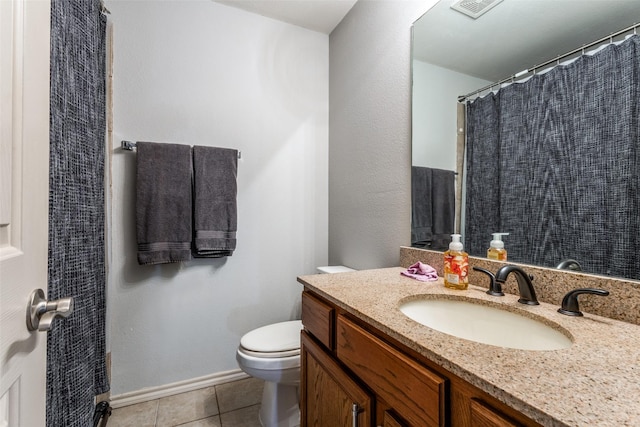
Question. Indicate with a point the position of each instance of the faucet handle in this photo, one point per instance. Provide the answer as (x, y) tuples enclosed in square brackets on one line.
[(495, 288), (570, 301)]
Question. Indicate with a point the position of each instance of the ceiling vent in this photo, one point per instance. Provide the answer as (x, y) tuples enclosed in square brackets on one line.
[(474, 8)]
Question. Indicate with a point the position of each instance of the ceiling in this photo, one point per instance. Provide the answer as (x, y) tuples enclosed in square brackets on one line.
[(516, 34), (511, 37), (317, 15)]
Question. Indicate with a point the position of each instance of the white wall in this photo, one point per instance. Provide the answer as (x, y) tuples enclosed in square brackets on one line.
[(198, 72), (435, 94), (370, 133)]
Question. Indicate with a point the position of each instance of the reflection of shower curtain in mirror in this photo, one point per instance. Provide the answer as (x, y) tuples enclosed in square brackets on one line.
[(555, 162)]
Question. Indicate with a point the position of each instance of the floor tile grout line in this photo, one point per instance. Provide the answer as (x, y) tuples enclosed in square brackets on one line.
[(215, 392), (155, 418), (240, 408), (197, 419)]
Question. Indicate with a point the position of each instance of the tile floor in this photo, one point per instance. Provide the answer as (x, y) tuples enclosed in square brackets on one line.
[(233, 404)]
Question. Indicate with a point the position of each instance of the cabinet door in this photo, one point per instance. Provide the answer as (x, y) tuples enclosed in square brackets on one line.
[(483, 415), (390, 420), (330, 397)]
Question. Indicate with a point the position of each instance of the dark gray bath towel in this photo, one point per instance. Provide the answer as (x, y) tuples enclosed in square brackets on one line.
[(421, 216), (163, 203), (215, 213), (443, 196), (432, 207)]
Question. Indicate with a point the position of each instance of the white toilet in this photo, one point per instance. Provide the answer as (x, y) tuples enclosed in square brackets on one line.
[(272, 353)]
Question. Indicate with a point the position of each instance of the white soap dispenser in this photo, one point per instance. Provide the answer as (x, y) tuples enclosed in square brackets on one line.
[(496, 249)]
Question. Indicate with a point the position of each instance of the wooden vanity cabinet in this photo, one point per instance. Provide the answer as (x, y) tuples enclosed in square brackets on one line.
[(344, 365), (346, 362)]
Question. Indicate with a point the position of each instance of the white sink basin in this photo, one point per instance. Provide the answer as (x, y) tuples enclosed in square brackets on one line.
[(484, 324)]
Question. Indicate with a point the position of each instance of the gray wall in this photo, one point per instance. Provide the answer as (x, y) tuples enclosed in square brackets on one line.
[(370, 133), (203, 73)]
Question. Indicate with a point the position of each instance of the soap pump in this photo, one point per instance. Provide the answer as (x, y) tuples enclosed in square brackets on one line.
[(456, 265), (496, 249)]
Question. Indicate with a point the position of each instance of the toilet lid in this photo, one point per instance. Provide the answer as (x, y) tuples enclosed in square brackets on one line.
[(278, 337)]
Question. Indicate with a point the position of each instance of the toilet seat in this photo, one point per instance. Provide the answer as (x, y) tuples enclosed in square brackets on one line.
[(276, 340), (267, 363), (271, 354)]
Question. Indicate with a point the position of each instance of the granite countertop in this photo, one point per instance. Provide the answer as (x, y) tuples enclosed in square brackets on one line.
[(595, 382)]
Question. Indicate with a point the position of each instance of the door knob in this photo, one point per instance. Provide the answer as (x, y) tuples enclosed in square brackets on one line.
[(40, 312)]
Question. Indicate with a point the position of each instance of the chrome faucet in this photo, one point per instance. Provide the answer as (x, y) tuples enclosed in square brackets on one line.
[(525, 286)]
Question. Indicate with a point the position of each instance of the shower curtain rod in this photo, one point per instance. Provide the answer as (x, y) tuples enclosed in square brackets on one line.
[(130, 146), (557, 59)]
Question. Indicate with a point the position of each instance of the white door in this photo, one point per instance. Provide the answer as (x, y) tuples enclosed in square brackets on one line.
[(24, 193)]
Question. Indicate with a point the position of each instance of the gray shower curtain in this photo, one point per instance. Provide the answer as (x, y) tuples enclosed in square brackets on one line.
[(76, 369), (555, 162)]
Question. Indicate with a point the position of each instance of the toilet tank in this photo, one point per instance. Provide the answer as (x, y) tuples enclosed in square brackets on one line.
[(334, 269)]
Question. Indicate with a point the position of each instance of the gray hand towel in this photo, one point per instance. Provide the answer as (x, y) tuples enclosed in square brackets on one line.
[(215, 213), (163, 203)]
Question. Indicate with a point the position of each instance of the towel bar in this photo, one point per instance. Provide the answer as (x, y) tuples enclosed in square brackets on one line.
[(130, 146)]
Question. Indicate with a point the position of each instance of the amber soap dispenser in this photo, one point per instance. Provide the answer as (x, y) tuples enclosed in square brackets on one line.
[(496, 249), (456, 265)]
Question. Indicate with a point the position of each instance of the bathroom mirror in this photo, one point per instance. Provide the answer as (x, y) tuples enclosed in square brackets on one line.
[(454, 54)]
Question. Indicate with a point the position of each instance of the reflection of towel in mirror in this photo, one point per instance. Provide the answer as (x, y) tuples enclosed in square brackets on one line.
[(432, 207), (215, 211), (163, 203)]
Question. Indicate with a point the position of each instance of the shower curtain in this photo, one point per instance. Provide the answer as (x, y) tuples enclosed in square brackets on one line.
[(555, 162), (76, 368)]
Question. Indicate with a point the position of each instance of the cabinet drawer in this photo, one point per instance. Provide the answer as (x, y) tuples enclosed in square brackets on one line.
[(410, 388), (318, 319)]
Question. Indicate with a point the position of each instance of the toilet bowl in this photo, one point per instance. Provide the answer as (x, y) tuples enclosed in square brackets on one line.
[(272, 353)]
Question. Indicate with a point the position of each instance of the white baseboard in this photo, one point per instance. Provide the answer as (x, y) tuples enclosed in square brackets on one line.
[(152, 393)]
